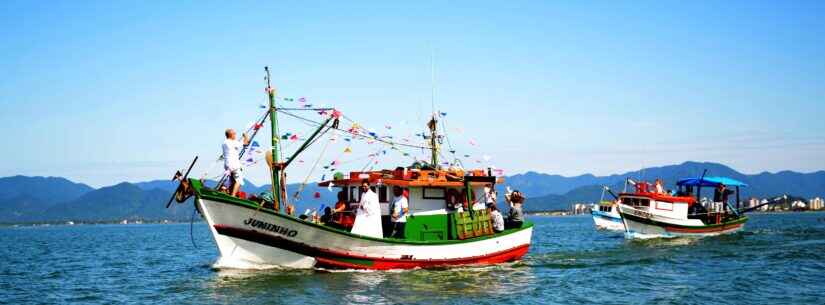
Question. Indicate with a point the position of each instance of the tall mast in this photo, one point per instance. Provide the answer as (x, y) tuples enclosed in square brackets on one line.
[(276, 168), (433, 124)]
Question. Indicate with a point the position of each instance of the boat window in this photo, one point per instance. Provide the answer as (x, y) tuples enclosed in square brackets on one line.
[(354, 195), (433, 193), (636, 202)]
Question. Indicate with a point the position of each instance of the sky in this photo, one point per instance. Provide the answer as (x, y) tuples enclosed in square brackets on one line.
[(111, 91)]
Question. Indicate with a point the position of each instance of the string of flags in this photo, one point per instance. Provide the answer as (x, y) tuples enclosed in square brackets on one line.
[(359, 132)]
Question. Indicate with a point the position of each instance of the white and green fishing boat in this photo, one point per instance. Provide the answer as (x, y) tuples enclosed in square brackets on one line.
[(252, 233)]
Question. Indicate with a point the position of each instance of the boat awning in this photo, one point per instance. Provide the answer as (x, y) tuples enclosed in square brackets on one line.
[(710, 181)]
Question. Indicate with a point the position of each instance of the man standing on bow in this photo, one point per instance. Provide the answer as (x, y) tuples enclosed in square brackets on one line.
[(232, 159)]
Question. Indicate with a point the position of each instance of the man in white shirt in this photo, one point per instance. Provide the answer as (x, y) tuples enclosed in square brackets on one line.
[(368, 214), (399, 209), (232, 159), (497, 218)]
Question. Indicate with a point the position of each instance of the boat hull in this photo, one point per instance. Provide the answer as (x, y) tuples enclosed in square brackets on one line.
[(607, 221), (247, 236), (643, 225)]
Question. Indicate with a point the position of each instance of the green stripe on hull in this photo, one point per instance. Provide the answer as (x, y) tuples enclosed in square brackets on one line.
[(203, 193)]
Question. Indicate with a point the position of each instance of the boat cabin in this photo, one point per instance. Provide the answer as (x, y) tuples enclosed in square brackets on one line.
[(440, 201), (645, 198), (684, 203)]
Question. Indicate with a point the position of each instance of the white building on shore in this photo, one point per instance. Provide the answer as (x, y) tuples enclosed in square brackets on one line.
[(816, 203)]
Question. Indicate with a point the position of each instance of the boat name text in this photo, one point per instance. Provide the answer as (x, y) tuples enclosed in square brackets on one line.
[(252, 222)]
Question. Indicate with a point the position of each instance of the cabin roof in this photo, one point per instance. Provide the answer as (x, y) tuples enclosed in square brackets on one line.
[(710, 181)]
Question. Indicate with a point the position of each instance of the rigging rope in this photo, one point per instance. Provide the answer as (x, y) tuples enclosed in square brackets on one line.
[(314, 165)]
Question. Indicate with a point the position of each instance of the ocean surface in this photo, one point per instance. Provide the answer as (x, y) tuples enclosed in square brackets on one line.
[(777, 259)]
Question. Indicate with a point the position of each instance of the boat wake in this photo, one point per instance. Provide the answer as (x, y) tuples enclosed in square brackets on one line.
[(229, 263)]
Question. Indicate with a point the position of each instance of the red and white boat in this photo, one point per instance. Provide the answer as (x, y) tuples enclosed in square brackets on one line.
[(251, 234), (650, 214)]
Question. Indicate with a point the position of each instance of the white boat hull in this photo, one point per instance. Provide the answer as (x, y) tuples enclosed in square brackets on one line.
[(607, 221), (641, 224), (247, 237)]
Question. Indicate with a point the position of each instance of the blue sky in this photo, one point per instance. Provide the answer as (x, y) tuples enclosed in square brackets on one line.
[(130, 91)]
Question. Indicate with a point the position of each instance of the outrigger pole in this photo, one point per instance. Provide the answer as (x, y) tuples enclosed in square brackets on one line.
[(276, 176)]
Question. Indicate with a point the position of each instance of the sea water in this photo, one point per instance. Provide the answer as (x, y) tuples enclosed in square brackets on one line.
[(777, 259)]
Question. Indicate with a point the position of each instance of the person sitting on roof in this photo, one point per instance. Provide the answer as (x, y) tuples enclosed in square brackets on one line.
[(515, 218), (660, 189), (232, 159), (368, 213)]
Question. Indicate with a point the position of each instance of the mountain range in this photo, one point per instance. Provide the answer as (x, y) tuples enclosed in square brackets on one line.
[(46, 199)]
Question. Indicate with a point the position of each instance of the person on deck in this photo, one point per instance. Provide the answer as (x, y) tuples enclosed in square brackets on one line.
[(660, 189), (231, 159), (341, 204), (368, 214), (400, 207), (497, 218), (484, 198), (515, 218)]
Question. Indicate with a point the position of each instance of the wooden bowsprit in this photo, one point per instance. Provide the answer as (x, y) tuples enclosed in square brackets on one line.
[(183, 191)]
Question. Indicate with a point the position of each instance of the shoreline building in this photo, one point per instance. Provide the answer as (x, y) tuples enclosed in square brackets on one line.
[(816, 204)]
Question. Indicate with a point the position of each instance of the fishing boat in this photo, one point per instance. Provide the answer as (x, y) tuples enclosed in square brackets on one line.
[(251, 233), (648, 213), (606, 216), (606, 213)]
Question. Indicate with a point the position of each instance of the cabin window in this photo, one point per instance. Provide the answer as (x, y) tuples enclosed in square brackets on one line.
[(636, 202), (354, 194), (433, 193)]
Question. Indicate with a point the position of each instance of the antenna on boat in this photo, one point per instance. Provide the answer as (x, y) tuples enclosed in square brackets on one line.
[(433, 124)]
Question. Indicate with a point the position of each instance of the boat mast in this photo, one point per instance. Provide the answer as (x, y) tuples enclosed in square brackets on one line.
[(433, 124), (276, 167)]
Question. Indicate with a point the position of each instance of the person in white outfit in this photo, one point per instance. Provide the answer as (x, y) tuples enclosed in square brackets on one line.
[(398, 212), (231, 159), (368, 214)]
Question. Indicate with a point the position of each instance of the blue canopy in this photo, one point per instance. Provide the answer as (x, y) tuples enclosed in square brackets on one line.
[(710, 181)]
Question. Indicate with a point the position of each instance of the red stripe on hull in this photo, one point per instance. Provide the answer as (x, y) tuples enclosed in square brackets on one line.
[(710, 230), (509, 255), (329, 258)]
